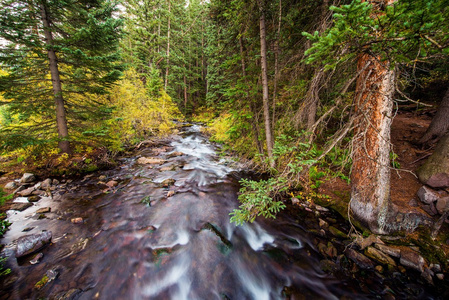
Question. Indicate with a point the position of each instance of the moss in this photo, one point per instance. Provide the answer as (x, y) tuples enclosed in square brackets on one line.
[(41, 283)]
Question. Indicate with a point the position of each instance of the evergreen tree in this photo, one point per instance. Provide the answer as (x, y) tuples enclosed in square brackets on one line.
[(55, 54)]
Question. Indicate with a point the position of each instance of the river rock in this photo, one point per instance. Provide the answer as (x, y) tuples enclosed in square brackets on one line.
[(36, 259), (20, 206), (175, 154), (77, 221), (149, 160), (379, 256), (112, 183), (31, 243), (168, 182), (390, 250), (34, 198), (27, 178), (363, 243), (328, 266), (26, 192), (427, 195), (412, 259), (361, 260), (442, 205), (11, 185), (46, 183), (43, 210)]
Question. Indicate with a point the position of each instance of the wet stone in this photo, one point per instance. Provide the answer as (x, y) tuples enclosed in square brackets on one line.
[(20, 206), (32, 243), (68, 295), (390, 250), (412, 259), (77, 220), (46, 183), (34, 198), (168, 182), (26, 192), (36, 259), (336, 232), (379, 256), (361, 260), (43, 210)]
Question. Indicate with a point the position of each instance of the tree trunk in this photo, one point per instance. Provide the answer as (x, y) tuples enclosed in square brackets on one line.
[(254, 121), (276, 63), (61, 119), (370, 176), (168, 47), (440, 122), (266, 109)]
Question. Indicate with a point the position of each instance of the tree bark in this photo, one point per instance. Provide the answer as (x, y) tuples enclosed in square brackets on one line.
[(440, 122), (61, 119), (266, 109), (370, 176)]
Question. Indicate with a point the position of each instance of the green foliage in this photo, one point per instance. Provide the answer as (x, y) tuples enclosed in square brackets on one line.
[(85, 41), (394, 163), (3, 271), (257, 199), (403, 32)]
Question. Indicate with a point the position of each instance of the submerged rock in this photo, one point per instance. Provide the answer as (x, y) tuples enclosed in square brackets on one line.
[(31, 243), (69, 295)]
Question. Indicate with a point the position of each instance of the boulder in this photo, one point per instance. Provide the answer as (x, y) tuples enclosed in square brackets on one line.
[(435, 171), (427, 195), (27, 178), (11, 185), (442, 205), (31, 243)]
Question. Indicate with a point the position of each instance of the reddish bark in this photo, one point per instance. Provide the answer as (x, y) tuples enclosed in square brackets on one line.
[(370, 176)]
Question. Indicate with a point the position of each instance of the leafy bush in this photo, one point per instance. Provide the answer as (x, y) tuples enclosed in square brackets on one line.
[(257, 199)]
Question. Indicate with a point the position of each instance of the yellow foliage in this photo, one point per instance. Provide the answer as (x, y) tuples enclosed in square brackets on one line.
[(137, 114)]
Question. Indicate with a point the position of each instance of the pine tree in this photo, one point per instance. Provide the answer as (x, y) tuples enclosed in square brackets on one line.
[(55, 54)]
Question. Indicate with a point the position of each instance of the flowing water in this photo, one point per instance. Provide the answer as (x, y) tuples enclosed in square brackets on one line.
[(140, 242)]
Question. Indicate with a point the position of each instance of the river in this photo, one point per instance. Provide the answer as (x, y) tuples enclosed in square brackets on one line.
[(164, 233)]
